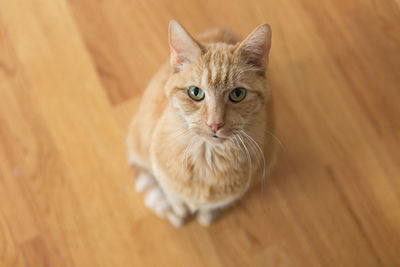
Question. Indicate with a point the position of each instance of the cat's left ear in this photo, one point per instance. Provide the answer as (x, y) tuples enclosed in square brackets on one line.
[(255, 48), (184, 49)]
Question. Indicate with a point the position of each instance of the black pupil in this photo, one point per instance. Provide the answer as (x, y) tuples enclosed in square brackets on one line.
[(238, 92), (196, 91)]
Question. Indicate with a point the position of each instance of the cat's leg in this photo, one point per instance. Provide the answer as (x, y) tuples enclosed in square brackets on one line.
[(177, 204), (206, 216), (155, 198)]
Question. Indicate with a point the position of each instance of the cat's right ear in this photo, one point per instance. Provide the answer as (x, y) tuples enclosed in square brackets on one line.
[(255, 48), (184, 49)]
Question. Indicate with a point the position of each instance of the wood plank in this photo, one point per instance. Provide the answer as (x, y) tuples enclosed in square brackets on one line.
[(71, 76), (9, 251)]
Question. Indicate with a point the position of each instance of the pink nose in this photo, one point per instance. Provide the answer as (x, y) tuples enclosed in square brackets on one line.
[(215, 126)]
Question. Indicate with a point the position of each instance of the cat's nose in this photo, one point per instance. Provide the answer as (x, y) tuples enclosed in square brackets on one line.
[(215, 126)]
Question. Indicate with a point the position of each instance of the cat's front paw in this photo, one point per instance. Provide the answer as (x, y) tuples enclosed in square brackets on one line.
[(180, 210), (179, 214), (175, 220), (207, 217)]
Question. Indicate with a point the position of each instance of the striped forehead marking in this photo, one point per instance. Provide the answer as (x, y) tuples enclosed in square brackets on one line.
[(217, 71)]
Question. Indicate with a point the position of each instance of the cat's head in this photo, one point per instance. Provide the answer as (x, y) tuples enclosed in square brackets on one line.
[(217, 88)]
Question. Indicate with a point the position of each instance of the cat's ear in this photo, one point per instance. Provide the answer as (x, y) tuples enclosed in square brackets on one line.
[(255, 48), (184, 49)]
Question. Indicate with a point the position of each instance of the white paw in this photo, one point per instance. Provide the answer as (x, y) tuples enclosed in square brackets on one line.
[(161, 208), (153, 198), (181, 210), (175, 220), (206, 218), (204, 221), (144, 181)]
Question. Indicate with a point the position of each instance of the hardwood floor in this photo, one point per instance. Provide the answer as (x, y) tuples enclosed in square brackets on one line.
[(71, 76)]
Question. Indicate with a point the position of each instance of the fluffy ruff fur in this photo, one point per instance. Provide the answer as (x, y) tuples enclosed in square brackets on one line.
[(184, 168)]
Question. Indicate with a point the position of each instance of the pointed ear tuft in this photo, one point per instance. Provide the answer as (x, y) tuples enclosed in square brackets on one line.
[(184, 49), (255, 48)]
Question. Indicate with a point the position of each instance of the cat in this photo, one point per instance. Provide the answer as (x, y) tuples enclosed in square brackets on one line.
[(203, 133)]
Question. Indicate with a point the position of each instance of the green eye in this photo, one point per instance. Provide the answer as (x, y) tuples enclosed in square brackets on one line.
[(237, 95), (196, 93)]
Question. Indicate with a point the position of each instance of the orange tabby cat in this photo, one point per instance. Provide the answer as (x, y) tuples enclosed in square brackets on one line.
[(202, 133)]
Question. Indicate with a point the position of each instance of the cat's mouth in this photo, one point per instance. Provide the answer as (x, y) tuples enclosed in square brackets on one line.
[(212, 137), (215, 138)]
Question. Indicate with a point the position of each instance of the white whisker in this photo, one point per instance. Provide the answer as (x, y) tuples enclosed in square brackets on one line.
[(262, 155), (248, 159), (266, 131), (237, 151), (276, 138), (181, 134), (186, 152)]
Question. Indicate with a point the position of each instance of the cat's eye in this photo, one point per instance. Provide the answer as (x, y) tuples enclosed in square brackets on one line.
[(196, 93), (237, 95)]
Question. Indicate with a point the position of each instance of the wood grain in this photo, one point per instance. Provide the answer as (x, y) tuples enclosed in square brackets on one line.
[(71, 76)]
